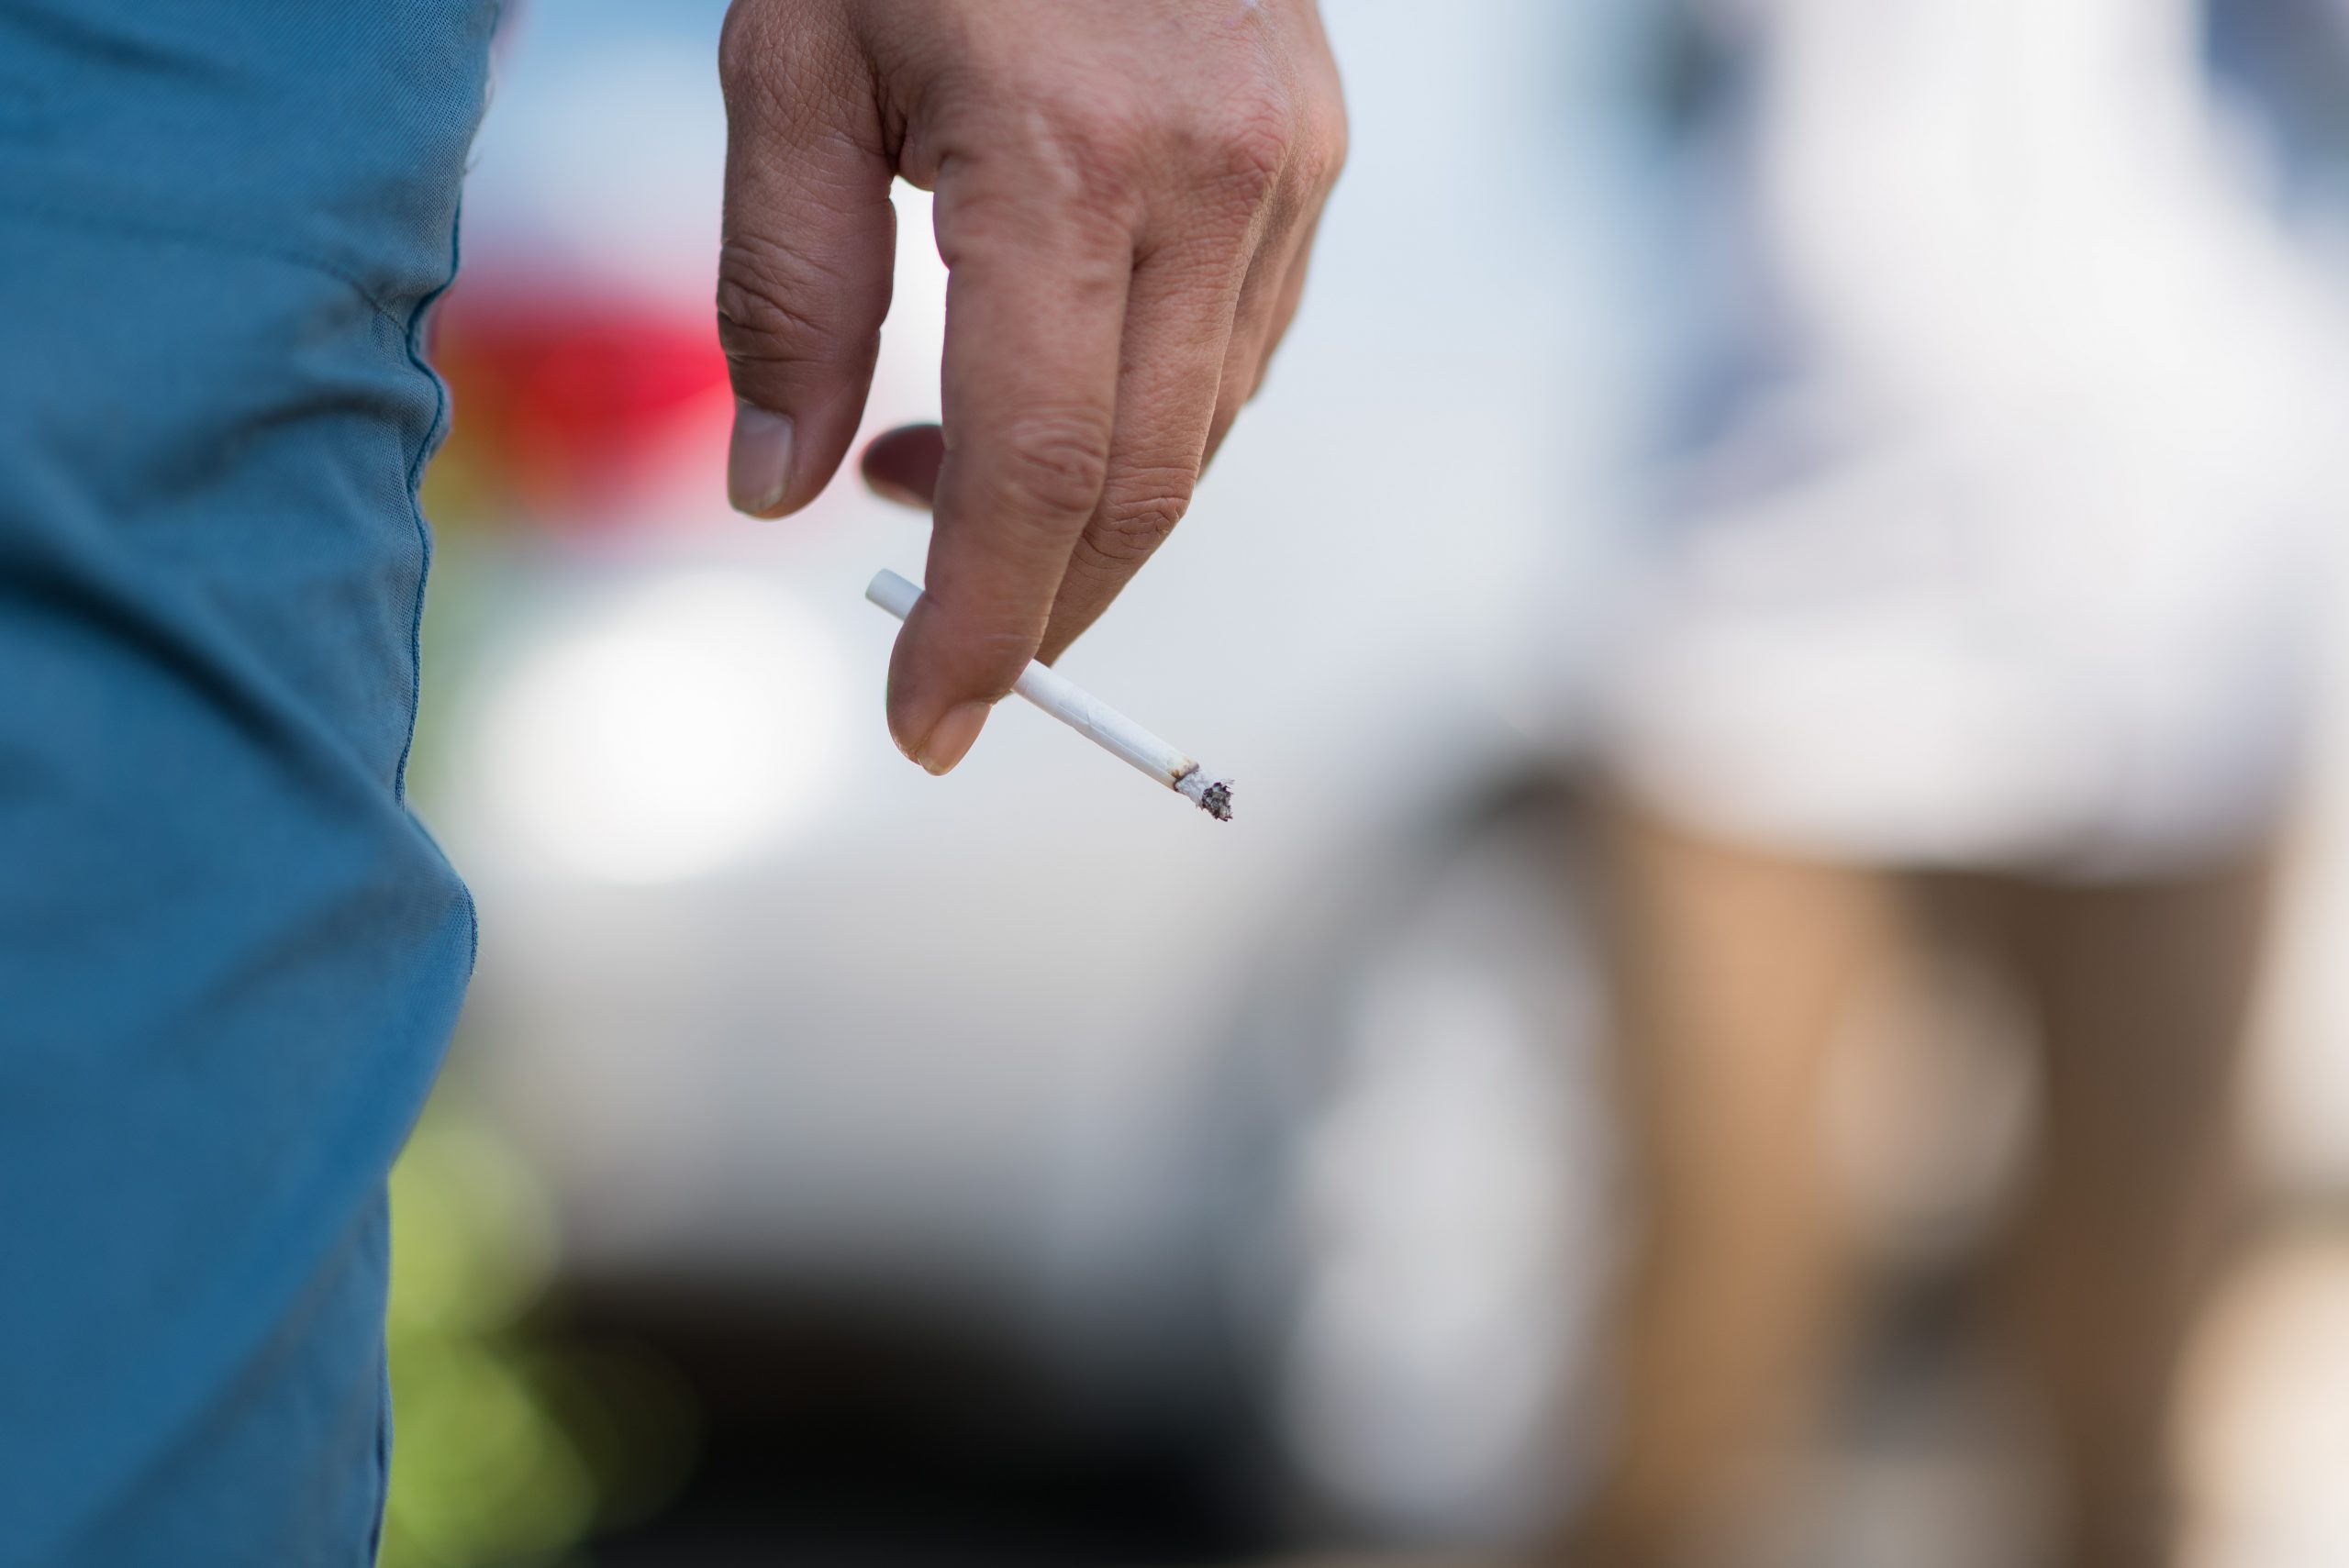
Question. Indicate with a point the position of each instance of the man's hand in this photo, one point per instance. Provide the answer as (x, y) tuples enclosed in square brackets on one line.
[(1126, 190)]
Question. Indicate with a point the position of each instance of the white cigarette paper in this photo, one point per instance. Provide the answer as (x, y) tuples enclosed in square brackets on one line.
[(1088, 715)]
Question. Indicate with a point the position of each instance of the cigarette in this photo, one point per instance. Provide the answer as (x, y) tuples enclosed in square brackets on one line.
[(1088, 715)]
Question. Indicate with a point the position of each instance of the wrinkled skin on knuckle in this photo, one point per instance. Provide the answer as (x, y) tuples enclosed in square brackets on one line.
[(1305, 108), (1132, 524), (1050, 466), (1083, 154), (1045, 133), (1218, 150), (1169, 122), (1251, 145), (777, 309)]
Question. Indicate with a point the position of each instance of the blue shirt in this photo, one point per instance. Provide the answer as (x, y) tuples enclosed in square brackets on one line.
[(229, 957)]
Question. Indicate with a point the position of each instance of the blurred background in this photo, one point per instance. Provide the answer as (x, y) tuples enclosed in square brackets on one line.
[(1759, 489)]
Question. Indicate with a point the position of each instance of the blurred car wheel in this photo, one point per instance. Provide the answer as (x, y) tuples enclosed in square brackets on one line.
[(1414, 1221)]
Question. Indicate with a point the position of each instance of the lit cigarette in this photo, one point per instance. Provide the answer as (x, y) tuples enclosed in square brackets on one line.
[(1089, 716)]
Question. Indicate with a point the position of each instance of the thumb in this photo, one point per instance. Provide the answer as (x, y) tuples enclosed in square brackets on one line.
[(810, 243)]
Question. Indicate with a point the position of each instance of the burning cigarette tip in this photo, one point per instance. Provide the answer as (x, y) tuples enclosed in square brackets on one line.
[(1210, 796)]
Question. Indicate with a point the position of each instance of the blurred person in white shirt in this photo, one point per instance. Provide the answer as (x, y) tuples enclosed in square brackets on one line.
[(1978, 611)]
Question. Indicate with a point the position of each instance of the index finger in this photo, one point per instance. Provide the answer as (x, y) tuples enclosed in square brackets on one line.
[(1035, 314)]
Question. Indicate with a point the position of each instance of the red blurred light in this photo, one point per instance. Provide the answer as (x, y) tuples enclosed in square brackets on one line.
[(573, 409)]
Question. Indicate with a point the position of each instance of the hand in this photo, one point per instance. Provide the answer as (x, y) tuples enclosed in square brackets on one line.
[(1125, 191)]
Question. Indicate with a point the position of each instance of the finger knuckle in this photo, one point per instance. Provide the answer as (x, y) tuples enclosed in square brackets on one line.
[(773, 304), (1110, 129), (1053, 464), (1251, 147), (1040, 143), (1129, 527), (1096, 150)]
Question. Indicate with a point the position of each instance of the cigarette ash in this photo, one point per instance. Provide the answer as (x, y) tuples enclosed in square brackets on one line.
[(1210, 796)]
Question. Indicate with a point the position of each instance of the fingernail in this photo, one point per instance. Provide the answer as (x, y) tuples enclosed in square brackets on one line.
[(758, 462), (952, 737)]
